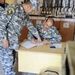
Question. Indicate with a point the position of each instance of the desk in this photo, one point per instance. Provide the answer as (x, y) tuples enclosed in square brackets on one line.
[(70, 49), (38, 59)]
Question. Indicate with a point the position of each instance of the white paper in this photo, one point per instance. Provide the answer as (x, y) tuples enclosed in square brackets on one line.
[(57, 45), (39, 44), (28, 44)]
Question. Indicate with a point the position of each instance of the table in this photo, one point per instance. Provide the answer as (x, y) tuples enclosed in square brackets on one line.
[(70, 53), (38, 59)]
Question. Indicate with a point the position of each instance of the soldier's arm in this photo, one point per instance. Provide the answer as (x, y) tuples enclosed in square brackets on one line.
[(56, 37), (30, 36), (37, 26), (3, 30), (3, 26), (4, 20), (32, 29)]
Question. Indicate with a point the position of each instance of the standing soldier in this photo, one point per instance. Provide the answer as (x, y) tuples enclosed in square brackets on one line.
[(3, 5), (11, 24)]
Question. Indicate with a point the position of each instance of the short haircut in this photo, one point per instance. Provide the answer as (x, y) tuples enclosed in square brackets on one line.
[(26, 1), (51, 19)]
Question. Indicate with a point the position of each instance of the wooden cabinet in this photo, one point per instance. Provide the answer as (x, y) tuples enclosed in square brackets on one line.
[(34, 22), (67, 29), (64, 26), (57, 23), (23, 34)]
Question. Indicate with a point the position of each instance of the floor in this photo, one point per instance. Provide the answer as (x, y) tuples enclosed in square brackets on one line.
[(16, 69)]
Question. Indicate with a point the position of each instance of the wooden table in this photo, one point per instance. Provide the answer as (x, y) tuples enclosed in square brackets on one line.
[(38, 59), (70, 49)]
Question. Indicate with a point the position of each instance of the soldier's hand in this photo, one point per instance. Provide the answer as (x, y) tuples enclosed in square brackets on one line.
[(33, 41), (45, 42), (39, 40), (5, 43)]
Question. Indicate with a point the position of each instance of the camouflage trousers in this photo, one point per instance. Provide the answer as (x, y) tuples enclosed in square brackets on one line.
[(6, 59)]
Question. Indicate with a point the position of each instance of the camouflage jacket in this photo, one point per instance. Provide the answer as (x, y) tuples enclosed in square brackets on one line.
[(11, 24), (51, 34), (3, 9)]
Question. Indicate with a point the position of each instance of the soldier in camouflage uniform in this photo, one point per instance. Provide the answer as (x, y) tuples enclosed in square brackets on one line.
[(48, 33), (3, 6), (13, 20)]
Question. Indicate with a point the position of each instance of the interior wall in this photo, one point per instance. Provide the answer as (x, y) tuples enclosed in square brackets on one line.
[(22, 0), (10, 1)]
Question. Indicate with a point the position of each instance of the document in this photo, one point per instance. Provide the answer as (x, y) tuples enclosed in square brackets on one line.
[(28, 44), (56, 46)]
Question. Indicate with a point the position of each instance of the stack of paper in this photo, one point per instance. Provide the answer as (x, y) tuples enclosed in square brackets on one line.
[(28, 44)]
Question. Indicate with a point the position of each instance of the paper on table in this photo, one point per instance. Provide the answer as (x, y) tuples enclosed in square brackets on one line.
[(39, 44), (57, 45), (28, 44)]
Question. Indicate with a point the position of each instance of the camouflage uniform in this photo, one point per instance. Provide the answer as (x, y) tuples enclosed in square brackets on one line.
[(3, 9), (1, 51), (51, 34), (11, 24)]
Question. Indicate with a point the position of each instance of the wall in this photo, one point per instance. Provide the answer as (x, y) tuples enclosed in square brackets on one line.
[(10, 1)]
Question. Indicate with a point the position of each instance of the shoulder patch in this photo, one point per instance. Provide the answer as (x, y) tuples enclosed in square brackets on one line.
[(11, 10), (27, 17), (57, 32)]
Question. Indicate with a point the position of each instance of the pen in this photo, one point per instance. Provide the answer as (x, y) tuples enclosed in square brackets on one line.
[(52, 47)]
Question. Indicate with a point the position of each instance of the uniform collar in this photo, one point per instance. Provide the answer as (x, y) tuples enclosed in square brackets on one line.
[(1, 8), (22, 9)]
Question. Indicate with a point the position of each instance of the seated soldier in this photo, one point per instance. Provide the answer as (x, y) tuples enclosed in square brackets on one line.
[(47, 32)]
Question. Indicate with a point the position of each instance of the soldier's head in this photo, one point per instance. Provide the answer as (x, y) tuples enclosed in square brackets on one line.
[(2, 1), (30, 5), (48, 23)]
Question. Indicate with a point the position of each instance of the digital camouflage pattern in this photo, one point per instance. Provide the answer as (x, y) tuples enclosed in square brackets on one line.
[(51, 34), (12, 21), (6, 55)]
